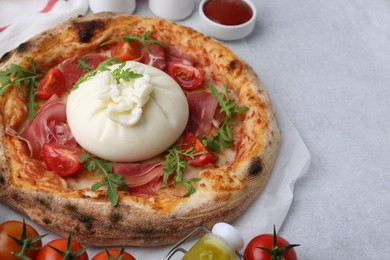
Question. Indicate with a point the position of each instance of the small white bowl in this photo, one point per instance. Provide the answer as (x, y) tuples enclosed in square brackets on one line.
[(173, 10), (120, 6), (226, 32)]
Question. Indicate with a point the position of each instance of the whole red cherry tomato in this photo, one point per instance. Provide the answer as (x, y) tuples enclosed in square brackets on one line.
[(64, 245), (14, 228), (114, 253), (270, 246)]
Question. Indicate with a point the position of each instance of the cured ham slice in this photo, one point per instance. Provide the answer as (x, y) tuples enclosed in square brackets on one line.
[(142, 179), (178, 56), (204, 113), (154, 55), (49, 126), (73, 68)]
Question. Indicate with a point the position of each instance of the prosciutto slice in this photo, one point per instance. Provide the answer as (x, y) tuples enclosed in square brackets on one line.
[(204, 113), (49, 126), (177, 56), (72, 70), (154, 55), (142, 179)]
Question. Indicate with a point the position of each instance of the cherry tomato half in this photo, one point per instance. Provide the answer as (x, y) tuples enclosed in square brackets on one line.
[(191, 141), (8, 245), (52, 83), (48, 253), (253, 252), (114, 253), (187, 76), (127, 50), (63, 160)]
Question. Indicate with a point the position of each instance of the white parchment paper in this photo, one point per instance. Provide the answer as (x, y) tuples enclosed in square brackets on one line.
[(270, 208)]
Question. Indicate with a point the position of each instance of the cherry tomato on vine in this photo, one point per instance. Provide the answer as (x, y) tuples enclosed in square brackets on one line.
[(114, 255), (52, 83), (72, 248), (270, 247), (8, 245)]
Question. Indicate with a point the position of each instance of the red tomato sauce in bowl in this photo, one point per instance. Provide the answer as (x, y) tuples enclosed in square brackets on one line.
[(228, 12)]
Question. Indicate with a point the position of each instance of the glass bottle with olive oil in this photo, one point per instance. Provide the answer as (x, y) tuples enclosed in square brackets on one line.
[(220, 244)]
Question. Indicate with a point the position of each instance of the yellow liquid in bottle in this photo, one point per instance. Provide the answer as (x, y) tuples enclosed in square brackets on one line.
[(210, 247)]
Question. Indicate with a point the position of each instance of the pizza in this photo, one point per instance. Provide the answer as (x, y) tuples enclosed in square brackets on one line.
[(131, 130)]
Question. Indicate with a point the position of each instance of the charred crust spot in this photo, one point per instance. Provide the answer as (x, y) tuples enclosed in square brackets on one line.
[(2, 180), (256, 166), (23, 47), (83, 218), (77, 228), (235, 65), (232, 64), (86, 30), (5, 57), (71, 208), (44, 203), (46, 221), (16, 197), (115, 218)]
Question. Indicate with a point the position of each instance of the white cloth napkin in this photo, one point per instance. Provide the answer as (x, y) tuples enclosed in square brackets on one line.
[(22, 19)]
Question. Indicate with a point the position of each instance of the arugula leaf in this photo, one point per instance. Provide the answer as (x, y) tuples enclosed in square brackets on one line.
[(111, 180), (143, 39), (82, 64), (125, 74), (103, 66), (224, 136), (175, 163), (21, 76)]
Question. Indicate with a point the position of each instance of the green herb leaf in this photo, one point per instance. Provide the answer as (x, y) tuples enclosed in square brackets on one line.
[(20, 76), (143, 39), (224, 136), (111, 180), (175, 163), (103, 66), (125, 74), (82, 64)]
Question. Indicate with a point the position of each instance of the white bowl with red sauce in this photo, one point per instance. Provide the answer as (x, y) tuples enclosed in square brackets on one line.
[(227, 19)]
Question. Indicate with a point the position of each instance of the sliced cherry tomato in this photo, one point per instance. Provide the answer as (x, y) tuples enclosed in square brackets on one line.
[(270, 246), (63, 160), (127, 51), (14, 228), (48, 253), (52, 83), (187, 76), (114, 253), (191, 141)]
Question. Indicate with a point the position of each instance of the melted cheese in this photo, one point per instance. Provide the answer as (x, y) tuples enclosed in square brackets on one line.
[(103, 115)]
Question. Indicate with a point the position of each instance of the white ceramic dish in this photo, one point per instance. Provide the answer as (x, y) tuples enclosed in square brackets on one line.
[(120, 6), (172, 9), (226, 32)]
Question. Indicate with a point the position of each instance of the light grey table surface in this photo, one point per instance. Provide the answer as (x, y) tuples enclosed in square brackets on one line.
[(328, 65)]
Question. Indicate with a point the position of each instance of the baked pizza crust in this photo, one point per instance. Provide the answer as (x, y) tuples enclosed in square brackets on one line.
[(222, 194)]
